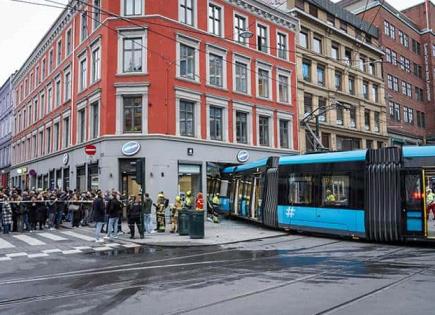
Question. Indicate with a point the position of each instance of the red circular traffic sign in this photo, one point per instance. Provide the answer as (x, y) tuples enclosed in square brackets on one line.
[(90, 149)]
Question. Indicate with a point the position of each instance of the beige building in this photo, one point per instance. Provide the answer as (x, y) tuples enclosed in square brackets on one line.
[(340, 80)]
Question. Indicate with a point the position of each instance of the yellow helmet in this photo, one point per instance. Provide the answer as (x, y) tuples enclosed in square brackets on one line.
[(189, 193), (160, 196), (178, 198)]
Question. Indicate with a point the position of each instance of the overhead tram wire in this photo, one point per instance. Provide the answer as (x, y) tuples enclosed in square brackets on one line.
[(158, 53), (38, 4)]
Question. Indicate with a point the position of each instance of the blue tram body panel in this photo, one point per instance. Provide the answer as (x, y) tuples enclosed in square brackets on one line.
[(333, 157), (322, 219), (414, 221), (415, 152)]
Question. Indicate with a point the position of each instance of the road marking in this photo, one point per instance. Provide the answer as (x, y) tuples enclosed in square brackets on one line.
[(102, 249), (80, 236), (113, 244), (37, 255), (52, 237), (5, 258), (71, 251), (83, 248), (131, 245), (16, 254), (52, 251), (4, 244), (29, 240)]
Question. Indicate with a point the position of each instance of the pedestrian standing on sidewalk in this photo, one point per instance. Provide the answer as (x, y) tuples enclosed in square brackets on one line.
[(26, 206), (6, 213), (52, 208), (33, 217), (148, 203), (133, 214), (74, 207), (17, 212), (114, 209), (41, 211), (98, 208)]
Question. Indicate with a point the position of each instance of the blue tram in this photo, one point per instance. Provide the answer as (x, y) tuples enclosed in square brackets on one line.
[(378, 195)]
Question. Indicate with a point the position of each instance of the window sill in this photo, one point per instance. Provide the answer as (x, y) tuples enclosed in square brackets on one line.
[(126, 74), (188, 80), (285, 103), (241, 93), (222, 88), (264, 98)]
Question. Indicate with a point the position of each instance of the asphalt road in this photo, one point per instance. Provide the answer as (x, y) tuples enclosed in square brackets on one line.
[(294, 274)]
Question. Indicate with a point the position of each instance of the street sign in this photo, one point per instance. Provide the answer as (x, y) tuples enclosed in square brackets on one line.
[(90, 149)]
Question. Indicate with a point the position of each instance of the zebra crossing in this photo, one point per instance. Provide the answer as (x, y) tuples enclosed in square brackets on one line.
[(59, 242)]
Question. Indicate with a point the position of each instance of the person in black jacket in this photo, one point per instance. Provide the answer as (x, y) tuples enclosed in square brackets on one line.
[(114, 209), (98, 208), (134, 210)]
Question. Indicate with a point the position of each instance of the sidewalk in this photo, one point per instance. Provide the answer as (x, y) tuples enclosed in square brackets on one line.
[(226, 232)]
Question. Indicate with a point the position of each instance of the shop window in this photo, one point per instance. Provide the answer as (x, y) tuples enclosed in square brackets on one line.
[(93, 177), (335, 191), (81, 178), (66, 179)]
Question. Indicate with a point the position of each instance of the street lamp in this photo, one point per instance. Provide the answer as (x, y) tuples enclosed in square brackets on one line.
[(246, 34)]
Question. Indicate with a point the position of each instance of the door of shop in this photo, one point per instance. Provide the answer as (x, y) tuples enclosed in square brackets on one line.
[(128, 185), (189, 179), (429, 185)]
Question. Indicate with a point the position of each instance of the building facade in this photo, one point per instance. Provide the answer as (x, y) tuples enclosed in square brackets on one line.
[(408, 41), (339, 78), (184, 84), (6, 116)]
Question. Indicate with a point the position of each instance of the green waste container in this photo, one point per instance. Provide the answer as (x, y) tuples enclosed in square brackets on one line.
[(196, 224), (183, 222)]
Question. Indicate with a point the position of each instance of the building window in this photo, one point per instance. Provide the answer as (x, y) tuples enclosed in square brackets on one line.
[(321, 75), (303, 38), (353, 118), (340, 116), (216, 123), (186, 12), (335, 51), (56, 137), (408, 115), (308, 104), (50, 61), (306, 70), (187, 128), (48, 132), (66, 132), (68, 42), (343, 26), (241, 72), (322, 109), (262, 38), (367, 124), (96, 64), (348, 56), (263, 83), (187, 62), (317, 45), (81, 120), (42, 106), (282, 46), (58, 92), (43, 70), (59, 52), (216, 70), (132, 7), (416, 47), (330, 19), (338, 80), (421, 120), (67, 86), (284, 134), (49, 99), (377, 119), (348, 143), (375, 93), (239, 28), (97, 13), (241, 127), (365, 90), (95, 122), (215, 19), (84, 26), (83, 74), (394, 111), (132, 55), (132, 114), (263, 130), (313, 10), (351, 85), (283, 88)]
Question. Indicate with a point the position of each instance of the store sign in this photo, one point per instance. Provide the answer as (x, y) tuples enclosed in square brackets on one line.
[(65, 159), (243, 156), (130, 148), (427, 70)]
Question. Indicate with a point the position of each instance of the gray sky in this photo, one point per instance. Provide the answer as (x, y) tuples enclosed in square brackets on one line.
[(23, 25)]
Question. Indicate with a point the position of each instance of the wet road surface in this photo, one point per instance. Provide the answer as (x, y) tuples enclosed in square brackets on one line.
[(294, 274)]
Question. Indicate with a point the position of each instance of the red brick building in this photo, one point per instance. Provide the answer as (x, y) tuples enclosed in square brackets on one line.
[(184, 84), (408, 66)]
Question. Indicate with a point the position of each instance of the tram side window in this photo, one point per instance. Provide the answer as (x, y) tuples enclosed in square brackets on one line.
[(224, 191), (413, 192), (335, 191), (300, 190)]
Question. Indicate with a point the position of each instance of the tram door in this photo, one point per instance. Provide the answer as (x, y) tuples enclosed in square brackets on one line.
[(429, 185), (235, 196), (414, 216)]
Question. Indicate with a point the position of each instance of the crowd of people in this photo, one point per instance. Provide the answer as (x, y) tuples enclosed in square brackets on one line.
[(30, 210)]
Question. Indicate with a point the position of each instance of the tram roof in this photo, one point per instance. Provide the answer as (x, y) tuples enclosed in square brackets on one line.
[(418, 151), (245, 167), (332, 157)]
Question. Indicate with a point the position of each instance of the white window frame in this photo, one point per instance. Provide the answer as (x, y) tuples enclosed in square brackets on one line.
[(221, 53), (50, 98), (181, 39), (56, 137), (288, 74), (66, 42), (82, 35), (268, 113), (67, 92), (222, 21), (268, 37), (263, 66), (278, 32), (92, 100), (42, 105), (247, 61), (128, 34), (289, 118), (59, 52), (55, 103), (81, 107), (132, 15), (129, 90), (96, 23), (246, 108), (64, 116), (82, 85), (96, 46), (191, 97), (194, 13), (235, 35), (223, 104)]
